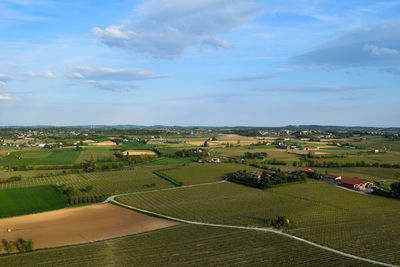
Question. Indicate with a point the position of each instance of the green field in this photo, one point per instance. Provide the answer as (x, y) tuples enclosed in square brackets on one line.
[(198, 173), (19, 201), (86, 155), (186, 245), (40, 158), (169, 161), (136, 146), (319, 212)]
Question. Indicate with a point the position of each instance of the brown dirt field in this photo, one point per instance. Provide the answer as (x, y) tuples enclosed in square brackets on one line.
[(139, 152), (106, 143), (78, 225)]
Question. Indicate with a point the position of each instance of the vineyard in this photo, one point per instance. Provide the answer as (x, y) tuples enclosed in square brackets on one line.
[(186, 245), (319, 212), (103, 183)]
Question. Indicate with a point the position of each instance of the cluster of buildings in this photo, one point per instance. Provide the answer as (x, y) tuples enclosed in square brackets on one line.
[(210, 160), (353, 183)]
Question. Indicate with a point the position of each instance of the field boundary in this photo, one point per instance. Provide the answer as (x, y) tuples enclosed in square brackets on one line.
[(270, 230)]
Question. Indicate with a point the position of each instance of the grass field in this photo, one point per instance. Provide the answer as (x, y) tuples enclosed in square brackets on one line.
[(96, 154), (136, 146), (319, 212), (59, 157), (169, 161), (186, 245), (40, 158), (19, 201), (197, 173)]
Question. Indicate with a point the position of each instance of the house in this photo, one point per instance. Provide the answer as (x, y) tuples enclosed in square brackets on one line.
[(353, 183), (210, 160), (309, 148), (307, 170), (256, 175)]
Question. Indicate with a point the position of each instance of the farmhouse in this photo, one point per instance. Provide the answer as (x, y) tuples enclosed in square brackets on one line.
[(348, 182), (256, 175), (353, 183)]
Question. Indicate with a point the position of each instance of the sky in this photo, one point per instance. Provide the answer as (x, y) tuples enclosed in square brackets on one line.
[(200, 62)]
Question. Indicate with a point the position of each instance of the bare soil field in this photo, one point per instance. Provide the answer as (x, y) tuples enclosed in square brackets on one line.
[(106, 143), (78, 225), (138, 152)]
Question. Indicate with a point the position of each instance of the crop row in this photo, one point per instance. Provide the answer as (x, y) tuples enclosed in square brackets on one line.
[(317, 211), (186, 245)]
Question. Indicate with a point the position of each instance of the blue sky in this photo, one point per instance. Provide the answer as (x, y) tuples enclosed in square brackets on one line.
[(200, 62)]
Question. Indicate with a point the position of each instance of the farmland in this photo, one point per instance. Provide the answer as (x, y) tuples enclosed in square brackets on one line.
[(186, 245), (100, 164), (319, 212), (198, 173), (79, 225), (104, 183), (18, 201)]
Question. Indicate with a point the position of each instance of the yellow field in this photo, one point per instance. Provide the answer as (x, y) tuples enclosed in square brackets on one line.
[(138, 152)]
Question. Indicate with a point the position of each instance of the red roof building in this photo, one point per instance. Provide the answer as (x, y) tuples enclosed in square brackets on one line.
[(307, 170), (352, 182)]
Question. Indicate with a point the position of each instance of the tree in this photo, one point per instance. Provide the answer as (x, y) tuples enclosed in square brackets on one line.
[(10, 247), (88, 188), (395, 187)]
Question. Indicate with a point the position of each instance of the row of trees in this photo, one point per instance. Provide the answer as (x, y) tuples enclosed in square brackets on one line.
[(332, 164), (266, 180), (20, 244)]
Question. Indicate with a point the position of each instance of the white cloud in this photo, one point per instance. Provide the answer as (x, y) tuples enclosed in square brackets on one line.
[(216, 43), (94, 73), (47, 74), (6, 97), (376, 45), (112, 86), (381, 51), (165, 28), (5, 78), (2, 83), (246, 78)]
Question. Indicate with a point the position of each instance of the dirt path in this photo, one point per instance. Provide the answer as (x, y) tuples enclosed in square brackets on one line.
[(270, 230)]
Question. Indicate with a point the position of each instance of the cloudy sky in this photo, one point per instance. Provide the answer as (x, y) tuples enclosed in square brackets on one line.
[(200, 62)]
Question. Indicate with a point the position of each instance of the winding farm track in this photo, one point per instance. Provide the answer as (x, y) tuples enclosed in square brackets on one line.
[(270, 230)]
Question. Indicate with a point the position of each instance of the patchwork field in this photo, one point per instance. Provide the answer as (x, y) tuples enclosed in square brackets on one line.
[(18, 201), (319, 212), (186, 245), (79, 225)]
